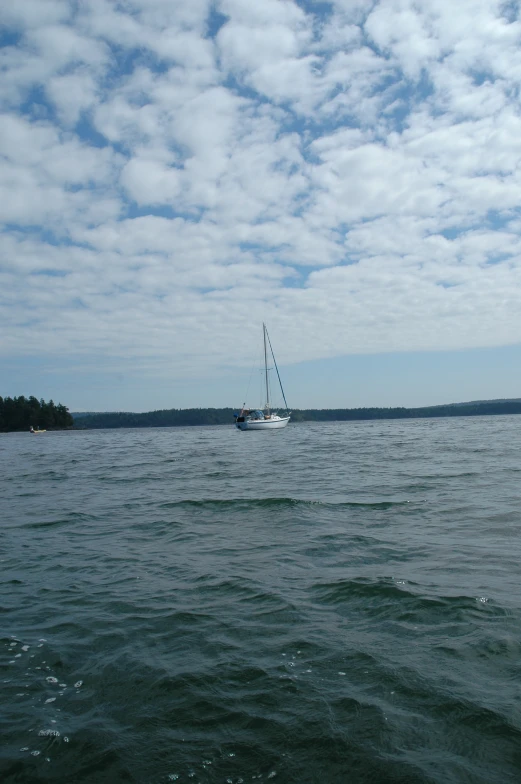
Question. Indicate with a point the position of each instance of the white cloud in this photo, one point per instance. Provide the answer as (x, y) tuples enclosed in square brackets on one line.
[(72, 94), (33, 13), (350, 177), (51, 179), (60, 46), (149, 181)]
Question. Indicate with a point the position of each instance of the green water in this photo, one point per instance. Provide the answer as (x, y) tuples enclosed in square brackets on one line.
[(326, 603)]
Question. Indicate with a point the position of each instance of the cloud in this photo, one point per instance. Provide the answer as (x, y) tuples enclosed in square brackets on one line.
[(34, 14), (173, 175), (71, 95)]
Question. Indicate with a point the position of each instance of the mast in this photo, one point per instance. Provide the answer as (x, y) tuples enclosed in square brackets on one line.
[(266, 369)]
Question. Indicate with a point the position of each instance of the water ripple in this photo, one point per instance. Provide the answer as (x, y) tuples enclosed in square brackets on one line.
[(337, 604)]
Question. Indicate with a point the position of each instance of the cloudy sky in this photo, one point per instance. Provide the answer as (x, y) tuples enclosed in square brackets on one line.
[(174, 173)]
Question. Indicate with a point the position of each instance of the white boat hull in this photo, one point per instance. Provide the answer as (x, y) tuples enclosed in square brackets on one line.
[(263, 424)]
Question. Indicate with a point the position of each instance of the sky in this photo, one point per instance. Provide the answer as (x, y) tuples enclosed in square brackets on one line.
[(173, 174)]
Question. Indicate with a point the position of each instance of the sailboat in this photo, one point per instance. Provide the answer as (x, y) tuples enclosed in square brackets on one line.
[(263, 419)]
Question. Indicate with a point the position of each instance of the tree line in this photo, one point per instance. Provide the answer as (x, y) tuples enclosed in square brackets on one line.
[(224, 416), (21, 413), (485, 408), (165, 418)]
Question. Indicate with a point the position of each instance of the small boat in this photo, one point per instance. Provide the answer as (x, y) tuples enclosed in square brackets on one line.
[(266, 419), (35, 432)]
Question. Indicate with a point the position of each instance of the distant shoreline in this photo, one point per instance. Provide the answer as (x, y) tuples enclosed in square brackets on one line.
[(223, 416)]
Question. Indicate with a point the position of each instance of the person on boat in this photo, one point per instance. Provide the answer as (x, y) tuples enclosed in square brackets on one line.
[(31, 429)]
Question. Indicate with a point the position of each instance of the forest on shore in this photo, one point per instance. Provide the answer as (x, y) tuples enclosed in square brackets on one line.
[(224, 416), (21, 413)]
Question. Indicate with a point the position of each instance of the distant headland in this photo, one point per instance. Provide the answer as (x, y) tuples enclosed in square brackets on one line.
[(23, 413), (184, 417)]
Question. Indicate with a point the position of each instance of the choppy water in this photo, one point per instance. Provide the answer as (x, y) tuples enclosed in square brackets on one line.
[(326, 603)]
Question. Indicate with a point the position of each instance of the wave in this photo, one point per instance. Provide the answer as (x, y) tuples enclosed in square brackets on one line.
[(401, 601), (281, 502), (72, 517)]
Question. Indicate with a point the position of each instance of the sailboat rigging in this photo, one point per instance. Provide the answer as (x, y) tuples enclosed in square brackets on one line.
[(265, 419)]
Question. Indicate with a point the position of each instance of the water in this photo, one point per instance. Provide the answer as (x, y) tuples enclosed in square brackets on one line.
[(326, 603)]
